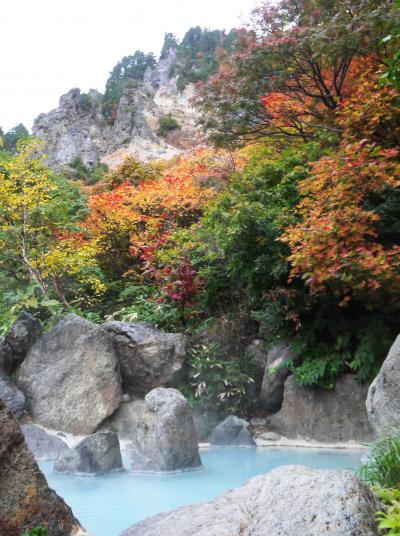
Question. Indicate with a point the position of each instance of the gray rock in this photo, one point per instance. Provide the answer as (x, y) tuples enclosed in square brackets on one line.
[(288, 501), (269, 436), (206, 419), (125, 420), (13, 398), (23, 333), (43, 445), (165, 438), (26, 501), (71, 377), (336, 415), (148, 357), (383, 401), (272, 387), (258, 422), (6, 358), (95, 455), (233, 432)]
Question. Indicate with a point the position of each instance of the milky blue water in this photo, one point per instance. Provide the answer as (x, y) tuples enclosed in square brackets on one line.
[(106, 505)]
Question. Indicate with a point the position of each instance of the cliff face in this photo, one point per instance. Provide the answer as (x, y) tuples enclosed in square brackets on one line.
[(77, 128)]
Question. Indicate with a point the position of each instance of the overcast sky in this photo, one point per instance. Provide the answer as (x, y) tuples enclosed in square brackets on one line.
[(50, 46)]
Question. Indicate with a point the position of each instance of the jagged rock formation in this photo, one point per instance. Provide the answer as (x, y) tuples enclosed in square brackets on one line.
[(291, 500), (26, 501), (77, 128)]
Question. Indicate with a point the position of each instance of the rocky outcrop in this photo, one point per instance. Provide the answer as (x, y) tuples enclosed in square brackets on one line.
[(383, 401), (148, 357), (232, 432), (165, 439), (24, 332), (125, 420), (77, 128), (13, 398), (290, 500), (43, 445), (335, 415), (95, 455), (26, 501), (71, 377), (275, 375)]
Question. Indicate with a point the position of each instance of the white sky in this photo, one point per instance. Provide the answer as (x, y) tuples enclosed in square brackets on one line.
[(50, 46)]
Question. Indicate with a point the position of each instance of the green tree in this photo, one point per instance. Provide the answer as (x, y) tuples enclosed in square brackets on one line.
[(11, 138), (129, 69), (38, 226), (300, 54), (170, 41)]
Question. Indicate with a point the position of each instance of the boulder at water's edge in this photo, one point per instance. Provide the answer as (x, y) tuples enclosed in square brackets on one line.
[(383, 401), (233, 432), (71, 377), (43, 445), (95, 455), (26, 501), (326, 415), (165, 439), (289, 501)]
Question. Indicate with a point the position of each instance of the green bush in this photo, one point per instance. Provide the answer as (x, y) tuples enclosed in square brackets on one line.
[(167, 124), (89, 175), (219, 382), (138, 303), (37, 531), (389, 520), (383, 466)]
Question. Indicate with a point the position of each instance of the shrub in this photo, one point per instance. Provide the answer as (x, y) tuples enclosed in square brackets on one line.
[(36, 531), (383, 467), (389, 520), (167, 124), (219, 382)]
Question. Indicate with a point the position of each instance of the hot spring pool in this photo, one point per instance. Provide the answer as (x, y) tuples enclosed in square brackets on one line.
[(106, 505)]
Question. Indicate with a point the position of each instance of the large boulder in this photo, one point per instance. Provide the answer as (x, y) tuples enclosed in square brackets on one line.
[(71, 377), (43, 445), (21, 336), (165, 438), (148, 357), (291, 500), (12, 396), (125, 420), (26, 501), (383, 401), (232, 432), (275, 375), (335, 415), (95, 455)]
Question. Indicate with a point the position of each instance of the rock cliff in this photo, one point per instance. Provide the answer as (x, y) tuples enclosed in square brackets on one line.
[(78, 128)]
